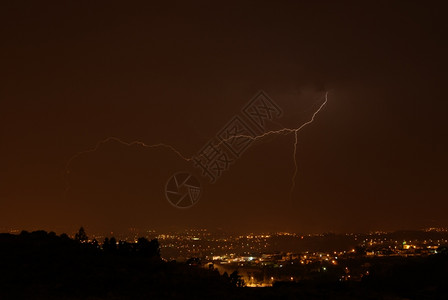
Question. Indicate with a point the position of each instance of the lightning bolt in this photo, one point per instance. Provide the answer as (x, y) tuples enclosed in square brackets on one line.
[(128, 144), (283, 131), (120, 141), (296, 140)]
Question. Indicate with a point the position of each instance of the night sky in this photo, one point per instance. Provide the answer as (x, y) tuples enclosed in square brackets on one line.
[(74, 73)]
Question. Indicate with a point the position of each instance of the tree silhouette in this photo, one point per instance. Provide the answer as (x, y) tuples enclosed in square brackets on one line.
[(155, 248), (236, 279), (95, 243), (81, 236), (148, 248), (112, 244)]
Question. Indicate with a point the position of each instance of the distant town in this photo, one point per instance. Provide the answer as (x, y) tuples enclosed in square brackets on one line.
[(263, 259)]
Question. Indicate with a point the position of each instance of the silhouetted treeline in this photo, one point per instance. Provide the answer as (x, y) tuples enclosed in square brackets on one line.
[(41, 265), (143, 248), (49, 243)]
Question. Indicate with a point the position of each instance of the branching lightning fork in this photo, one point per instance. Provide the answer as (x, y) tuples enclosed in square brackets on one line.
[(283, 131)]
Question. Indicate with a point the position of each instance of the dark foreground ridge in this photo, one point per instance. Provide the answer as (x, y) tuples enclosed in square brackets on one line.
[(41, 265)]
